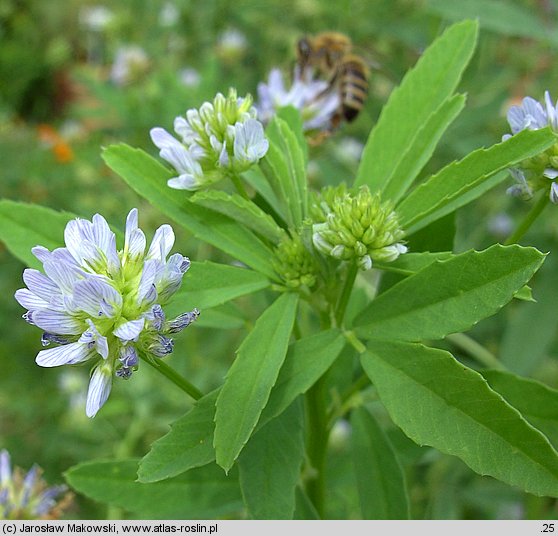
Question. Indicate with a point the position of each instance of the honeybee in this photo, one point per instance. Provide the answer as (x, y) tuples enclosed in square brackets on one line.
[(329, 55)]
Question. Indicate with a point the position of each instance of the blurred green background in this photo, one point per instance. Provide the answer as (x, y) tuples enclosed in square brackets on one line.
[(77, 75)]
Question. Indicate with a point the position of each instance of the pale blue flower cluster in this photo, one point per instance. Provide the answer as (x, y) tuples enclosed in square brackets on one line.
[(97, 303), (311, 97), (27, 496), (220, 138), (532, 115)]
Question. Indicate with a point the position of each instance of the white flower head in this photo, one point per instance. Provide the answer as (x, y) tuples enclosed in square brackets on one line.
[(219, 138), (98, 304), (27, 495), (130, 63), (169, 15), (189, 77), (311, 97), (534, 173), (95, 18)]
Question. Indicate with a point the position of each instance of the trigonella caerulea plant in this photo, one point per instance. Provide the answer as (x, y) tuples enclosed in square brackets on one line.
[(100, 304)]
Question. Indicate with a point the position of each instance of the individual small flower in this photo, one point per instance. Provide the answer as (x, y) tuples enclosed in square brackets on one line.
[(221, 137), (231, 45), (169, 15), (349, 150), (189, 77), (357, 227), (294, 263), (130, 63), (535, 173), (95, 18), (101, 305), (316, 103), (27, 496)]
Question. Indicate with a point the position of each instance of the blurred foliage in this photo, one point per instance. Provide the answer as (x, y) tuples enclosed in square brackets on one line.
[(62, 98)]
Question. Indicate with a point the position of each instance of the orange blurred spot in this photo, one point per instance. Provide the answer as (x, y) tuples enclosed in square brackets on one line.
[(59, 147), (63, 152)]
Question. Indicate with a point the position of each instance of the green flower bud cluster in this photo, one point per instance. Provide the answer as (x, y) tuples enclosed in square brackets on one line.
[(294, 263), (356, 227)]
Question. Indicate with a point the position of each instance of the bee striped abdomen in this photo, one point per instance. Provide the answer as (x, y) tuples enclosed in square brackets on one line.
[(353, 87)]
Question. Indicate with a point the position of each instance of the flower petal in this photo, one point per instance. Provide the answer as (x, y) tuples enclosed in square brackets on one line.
[(68, 354), (162, 243), (129, 331), (40, 284), (134, 242), (99, 390), (63, 274), (29, 300), (91, 294), (58, 322)]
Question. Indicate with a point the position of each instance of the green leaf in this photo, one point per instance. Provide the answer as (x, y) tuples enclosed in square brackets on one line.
[(424, 89), (537, 402), (463, 198), (257, 180), (307, 360), (525, 293), (24, 226), (220, 317), (531, 327), (285, 168), (149, 179), (380, 477), (304, 509), (411, 263), (188, 444), (437, 401), (436, 236), (269, 466), (451, 187), (203, 493), (449, 296), (241, 210), (207, 284), (504, 17), (251, 377), (422, 148), (293, 118)]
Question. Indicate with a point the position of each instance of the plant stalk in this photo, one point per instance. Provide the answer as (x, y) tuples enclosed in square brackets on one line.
[(317, 444), (532, 215), (475, 350), (346, 293), (238, 185), (175, 378)]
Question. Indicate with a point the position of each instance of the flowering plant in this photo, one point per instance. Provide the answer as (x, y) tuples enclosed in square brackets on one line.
[(363, 320)]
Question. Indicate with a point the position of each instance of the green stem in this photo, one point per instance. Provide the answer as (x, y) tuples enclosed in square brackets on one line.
[(238, 185), (176, 378), (353, 340), (475, 350), (532, 215), (346, 293), (317, 444)]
